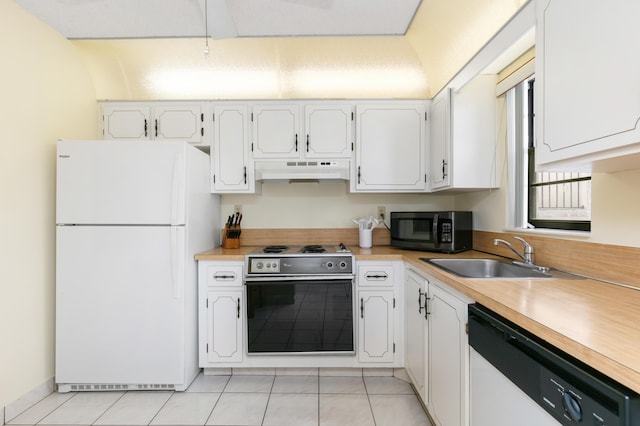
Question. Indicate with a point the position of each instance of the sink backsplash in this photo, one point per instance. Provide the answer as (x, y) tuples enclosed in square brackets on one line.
[(607, 262)]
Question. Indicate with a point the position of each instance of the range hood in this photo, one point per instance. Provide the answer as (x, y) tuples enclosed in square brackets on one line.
[(302, 171)]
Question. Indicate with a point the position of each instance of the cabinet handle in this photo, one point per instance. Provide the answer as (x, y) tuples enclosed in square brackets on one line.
[(296, 142), (361, 307), (426, 306), (238, 307), (156, 126), (307, 142), (358, 174), (146, 126), (224, 276), (419, 300), (378, 276), (245, 175), (444, 173)]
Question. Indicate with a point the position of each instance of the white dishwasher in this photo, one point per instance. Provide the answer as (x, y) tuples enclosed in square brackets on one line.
[(518, 379)]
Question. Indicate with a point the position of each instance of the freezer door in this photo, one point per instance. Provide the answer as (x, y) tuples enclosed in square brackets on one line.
[(121, 182), (121, 305)]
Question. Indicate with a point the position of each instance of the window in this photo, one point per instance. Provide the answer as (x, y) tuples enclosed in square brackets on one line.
[(552, 200)]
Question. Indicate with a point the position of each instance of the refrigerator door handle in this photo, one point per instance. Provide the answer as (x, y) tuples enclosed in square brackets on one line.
[(177, 261), (178, 190)]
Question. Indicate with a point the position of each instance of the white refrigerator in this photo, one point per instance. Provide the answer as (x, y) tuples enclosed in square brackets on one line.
[(130, 216)]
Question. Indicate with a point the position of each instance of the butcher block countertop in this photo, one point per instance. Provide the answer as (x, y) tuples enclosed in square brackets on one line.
[(594, 321)]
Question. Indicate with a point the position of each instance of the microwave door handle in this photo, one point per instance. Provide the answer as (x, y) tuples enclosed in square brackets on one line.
[(434, 231)]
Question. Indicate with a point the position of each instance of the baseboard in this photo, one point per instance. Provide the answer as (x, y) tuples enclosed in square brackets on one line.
[(27, 400)]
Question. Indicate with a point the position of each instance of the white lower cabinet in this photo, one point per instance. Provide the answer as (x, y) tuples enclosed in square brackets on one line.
[(379, 328), (437, 347), (221, 313), (375, 326), (416, 328)]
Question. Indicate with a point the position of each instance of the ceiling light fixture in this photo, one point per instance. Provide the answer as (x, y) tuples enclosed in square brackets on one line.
[(206, 30)]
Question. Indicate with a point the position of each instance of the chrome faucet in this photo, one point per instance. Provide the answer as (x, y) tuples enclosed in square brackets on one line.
[(527, 257)]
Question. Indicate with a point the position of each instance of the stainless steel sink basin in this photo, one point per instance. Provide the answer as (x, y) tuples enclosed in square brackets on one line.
[(489, 268)]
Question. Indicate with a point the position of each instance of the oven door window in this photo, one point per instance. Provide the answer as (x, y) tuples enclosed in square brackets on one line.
[(300, 316)]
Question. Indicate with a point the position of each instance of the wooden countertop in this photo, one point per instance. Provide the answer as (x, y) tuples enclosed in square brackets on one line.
[(596, 322)]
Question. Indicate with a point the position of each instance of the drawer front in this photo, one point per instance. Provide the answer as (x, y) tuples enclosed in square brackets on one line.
[(375, 275), (224, 275)]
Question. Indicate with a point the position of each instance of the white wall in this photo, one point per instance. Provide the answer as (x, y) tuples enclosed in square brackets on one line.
[(45, 93), (325, 205)]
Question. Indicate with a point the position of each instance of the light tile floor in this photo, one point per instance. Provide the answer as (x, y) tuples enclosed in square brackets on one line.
[(241, 400)]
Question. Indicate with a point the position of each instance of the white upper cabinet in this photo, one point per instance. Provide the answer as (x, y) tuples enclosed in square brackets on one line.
[(324, 131), (276, 130), (463, 137), (183, 121), (390, 147), (328, 131), (587, 84), (232, 170)]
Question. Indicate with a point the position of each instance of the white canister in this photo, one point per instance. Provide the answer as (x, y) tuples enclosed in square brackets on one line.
[(365, 237)]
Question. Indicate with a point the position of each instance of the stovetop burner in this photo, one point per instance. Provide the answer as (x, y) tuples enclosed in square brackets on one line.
[(313, 248), (275, 249)]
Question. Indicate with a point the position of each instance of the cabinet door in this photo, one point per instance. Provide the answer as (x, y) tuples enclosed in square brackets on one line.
[(178, 122), (440, 140), (416, 331), (390, 148), (448, 358), (587, 85), (225, 313), (375, 326), (328, 131), (127, 121), (230, 151), (275, 131)]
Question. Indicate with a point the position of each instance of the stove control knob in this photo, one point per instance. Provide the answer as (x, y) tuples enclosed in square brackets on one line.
[(343, 264), (329, 265), (259, 265)]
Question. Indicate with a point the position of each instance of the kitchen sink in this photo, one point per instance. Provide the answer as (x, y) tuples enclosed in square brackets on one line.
[(492, 268)]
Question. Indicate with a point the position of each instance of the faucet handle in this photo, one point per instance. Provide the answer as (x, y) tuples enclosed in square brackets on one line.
[(528, 250)]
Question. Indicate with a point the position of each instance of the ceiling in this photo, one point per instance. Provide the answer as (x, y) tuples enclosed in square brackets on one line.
[(109, 19)]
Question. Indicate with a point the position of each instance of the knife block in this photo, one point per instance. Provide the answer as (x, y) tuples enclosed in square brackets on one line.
[(231, 237)]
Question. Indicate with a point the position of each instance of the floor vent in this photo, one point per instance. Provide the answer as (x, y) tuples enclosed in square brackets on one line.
[(114, 387)]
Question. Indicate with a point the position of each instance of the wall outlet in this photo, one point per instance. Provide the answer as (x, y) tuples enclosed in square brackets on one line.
[(382, 212), (237, 208)]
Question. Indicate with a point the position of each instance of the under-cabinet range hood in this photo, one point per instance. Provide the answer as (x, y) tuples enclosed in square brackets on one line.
[(302, 171)]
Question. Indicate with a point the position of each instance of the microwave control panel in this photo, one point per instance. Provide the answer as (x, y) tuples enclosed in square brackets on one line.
[(446, 234)]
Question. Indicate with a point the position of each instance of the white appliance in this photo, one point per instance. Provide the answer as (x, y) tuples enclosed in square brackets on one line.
[(130, 216)]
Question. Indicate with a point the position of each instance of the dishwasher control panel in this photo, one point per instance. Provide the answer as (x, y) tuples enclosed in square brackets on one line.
[(570, 405)]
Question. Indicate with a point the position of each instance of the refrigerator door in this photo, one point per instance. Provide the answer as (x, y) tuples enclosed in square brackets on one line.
[(121, 182), (121, 305)]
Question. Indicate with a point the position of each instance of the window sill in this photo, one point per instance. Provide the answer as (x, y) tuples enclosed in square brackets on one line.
[(551, 232)]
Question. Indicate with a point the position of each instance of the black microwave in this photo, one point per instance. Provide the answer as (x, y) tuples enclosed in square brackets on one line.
[(446, 231)]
